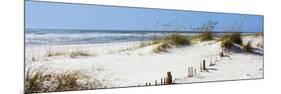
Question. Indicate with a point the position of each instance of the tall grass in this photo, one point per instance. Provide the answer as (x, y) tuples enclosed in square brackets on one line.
[(170, 41), (162, 48), (205, 36), (77, 53), (227, 40), (207, 30), (55, 53), (34, 80), (178, 40), (39, 80), (72, 54)]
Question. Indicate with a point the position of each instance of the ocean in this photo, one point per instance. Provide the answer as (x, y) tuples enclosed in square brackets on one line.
[(69, 37)]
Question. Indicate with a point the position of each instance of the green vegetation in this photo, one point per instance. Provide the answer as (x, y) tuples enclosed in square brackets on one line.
[(162, 48), (39, 80), (72, 54), (77, 53), (178, 40), (207, 30), (227, 40), (172, 40), (205, 36), (54, 53)]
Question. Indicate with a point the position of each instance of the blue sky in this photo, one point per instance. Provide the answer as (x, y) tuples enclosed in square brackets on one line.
[(48, 15)]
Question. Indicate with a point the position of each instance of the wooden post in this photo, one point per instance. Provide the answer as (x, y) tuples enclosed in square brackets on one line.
[(169, 78), (156, 82), (161, 82), (145, 84), (194, 71), (190, 72), (149, 84), (191, 68), (204, 65)]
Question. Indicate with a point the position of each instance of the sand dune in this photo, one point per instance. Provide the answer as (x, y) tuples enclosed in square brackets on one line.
[(124, 64)]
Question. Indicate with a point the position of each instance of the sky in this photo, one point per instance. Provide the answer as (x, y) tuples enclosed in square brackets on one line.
[(48, 15)]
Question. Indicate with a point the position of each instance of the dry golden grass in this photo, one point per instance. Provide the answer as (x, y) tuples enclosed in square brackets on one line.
[(227, 40), (72, 54), (205, 36), (172, 40), (40, 80)]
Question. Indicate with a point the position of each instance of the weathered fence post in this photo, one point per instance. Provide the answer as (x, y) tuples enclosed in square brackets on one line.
[(149, 84), (194, 71), (204, 65), (191, 71), (161, 81), (221, 54), (156, 82), (169, 78)]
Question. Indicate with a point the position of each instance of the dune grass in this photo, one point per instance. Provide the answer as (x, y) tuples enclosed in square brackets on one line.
[(54, 53), (72, 54), (227, 40), (206, 36), (162, 48), (78, 53), (178, 40), (39, 80), (170, 41)]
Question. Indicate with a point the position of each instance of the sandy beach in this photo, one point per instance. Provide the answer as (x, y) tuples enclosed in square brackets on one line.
[(126, 64)]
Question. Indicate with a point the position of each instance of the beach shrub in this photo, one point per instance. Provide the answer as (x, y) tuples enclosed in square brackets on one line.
[(178, 40), (236, 38), (171, 40), (205, 36), (227, 40), (39, 81)]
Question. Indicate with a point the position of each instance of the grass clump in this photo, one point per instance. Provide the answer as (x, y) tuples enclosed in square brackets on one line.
[(178, 40), (54, 53), (172, 40), (78, 53), (72, 54), (39, 81), (227, 40), (34, 80), (205, 36), (162, 48)]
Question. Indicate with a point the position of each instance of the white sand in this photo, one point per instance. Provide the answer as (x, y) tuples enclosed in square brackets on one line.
[(139, 66)]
